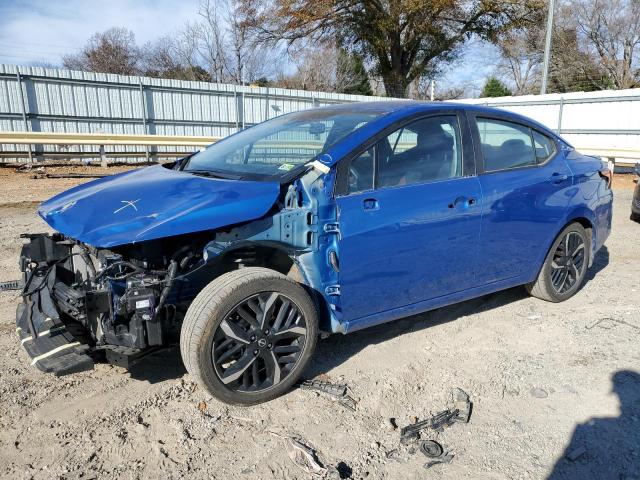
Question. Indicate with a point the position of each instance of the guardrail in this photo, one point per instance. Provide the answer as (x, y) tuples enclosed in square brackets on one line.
[(43, 138), (103, 139)]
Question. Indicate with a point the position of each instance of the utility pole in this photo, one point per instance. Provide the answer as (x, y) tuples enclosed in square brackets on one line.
[(547, 47)]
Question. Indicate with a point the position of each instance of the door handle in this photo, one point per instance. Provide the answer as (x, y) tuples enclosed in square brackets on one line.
[(558, 177), (370, 204), (467, 202)]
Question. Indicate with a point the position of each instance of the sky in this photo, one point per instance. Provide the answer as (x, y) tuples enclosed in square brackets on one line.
[(41, 31), (478, 62)]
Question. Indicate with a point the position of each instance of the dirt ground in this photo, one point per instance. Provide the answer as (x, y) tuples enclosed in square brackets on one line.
[(545, 379)]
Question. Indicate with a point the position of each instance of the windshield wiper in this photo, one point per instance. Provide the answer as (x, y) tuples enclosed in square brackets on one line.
[(214, 174)]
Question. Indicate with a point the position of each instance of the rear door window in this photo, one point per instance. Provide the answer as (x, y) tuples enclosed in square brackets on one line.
[(505, 145)]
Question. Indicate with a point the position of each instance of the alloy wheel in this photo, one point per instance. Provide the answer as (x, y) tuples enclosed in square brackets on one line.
[(259, 342), (568, 262)]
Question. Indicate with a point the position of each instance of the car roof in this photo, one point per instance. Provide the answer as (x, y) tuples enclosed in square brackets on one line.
[(412, 106), (392, 111)]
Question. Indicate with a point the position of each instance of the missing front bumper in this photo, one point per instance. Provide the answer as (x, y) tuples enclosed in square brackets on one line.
[(49, 342)]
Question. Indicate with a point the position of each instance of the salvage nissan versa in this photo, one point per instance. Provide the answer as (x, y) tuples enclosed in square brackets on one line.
[(321, 221)]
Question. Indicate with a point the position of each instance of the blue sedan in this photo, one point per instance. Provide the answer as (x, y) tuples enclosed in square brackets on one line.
[(321, 221)]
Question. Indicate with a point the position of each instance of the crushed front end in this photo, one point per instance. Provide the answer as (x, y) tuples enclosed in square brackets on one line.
[(82, 304)]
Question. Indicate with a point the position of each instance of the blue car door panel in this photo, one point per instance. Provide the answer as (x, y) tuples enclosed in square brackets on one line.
[(415, 236), (418, 243), (526, 188)]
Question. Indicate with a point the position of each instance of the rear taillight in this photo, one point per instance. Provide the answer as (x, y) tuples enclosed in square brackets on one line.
[(606, 174)]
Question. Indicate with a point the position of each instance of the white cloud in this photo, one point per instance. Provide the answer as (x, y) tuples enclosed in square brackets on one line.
[(42, 31)]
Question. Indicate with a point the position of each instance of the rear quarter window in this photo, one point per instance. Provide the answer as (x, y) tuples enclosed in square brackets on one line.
[(544, 146)]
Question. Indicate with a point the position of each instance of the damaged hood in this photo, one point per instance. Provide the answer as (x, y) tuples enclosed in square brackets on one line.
[(154, 202)]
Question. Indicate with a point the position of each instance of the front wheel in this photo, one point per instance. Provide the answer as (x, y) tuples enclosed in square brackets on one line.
[(248, 335), (565, 266)]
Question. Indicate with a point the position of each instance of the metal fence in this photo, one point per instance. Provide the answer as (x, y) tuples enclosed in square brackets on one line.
[(35, 99), (605, 123)]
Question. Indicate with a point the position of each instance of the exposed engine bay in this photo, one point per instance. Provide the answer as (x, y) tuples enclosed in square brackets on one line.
[(111, 298), (84, 304)]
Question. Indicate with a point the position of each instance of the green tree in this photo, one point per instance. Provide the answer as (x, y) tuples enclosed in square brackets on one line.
[(351, 76), (494, 88), (404, 39)]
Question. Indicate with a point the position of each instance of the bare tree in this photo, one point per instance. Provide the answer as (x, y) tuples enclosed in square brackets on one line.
[(211, 38), (169, 57), (611, 29), (521, 58), (574, 64), (249, 60), (112, 51), (314, 69)]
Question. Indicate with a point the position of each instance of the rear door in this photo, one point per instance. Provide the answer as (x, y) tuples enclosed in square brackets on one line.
[(409, 217), (525, 180)]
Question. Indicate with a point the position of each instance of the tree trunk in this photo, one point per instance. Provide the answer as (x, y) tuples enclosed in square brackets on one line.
[(395, 84)]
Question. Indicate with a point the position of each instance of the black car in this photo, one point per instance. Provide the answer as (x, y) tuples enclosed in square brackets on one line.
[(635, 203)]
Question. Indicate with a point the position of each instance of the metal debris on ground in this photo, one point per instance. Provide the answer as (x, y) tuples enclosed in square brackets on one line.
[(607, 323), (461, 401), (305, 457), (11, 285), (69, 175), (460, 412), (431, 448), (443, 459), (338, 392)]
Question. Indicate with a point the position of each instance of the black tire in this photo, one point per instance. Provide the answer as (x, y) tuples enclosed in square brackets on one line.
[(560, 278), (635, 217), (233, 298)]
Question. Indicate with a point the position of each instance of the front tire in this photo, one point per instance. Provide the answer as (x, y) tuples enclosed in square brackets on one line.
[(248, 335), (565, 266)]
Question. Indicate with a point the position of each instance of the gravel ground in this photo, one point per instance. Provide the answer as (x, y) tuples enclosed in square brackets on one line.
[(546, 381)]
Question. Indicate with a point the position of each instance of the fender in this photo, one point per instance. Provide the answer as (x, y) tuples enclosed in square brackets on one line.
[(296, 231)]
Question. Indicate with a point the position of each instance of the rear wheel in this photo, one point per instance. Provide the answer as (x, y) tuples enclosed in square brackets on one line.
[(248, 335), (565, 266)]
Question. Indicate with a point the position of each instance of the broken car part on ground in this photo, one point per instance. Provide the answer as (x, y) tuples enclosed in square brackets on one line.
[(460, 412), (323, 221)]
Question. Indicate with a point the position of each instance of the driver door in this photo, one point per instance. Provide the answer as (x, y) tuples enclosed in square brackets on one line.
[(409, 218)]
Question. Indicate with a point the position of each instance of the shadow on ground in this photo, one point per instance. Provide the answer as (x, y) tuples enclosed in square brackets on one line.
[(600, 262), (159, 366), (606, 448), (335, 350)]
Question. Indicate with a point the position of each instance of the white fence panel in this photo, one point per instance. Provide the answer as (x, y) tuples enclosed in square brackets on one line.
[(606, 123)]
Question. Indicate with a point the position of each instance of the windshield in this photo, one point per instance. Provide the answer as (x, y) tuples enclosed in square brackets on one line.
[(277, 146)]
